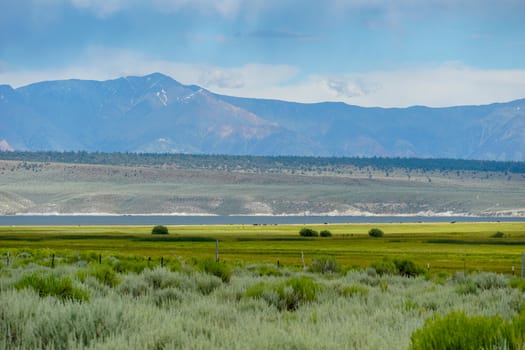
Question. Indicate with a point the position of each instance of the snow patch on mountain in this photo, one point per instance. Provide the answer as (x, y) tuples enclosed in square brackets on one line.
[(163, 97), (190, 96), (5, 147)]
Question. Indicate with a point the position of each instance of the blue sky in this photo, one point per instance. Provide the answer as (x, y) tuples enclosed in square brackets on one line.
[(370, 53)]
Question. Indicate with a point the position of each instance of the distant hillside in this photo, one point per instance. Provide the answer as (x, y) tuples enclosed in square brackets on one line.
[(90, 183), (157, 114)]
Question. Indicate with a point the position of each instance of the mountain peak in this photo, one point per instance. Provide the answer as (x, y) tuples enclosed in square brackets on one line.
[(133, 113), (157, 75)]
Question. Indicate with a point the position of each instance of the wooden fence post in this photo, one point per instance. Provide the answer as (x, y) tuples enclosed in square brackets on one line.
[(216, 250), (522, 263)]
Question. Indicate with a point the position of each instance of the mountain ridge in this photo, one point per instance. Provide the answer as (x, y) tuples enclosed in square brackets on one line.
[(156, 113)]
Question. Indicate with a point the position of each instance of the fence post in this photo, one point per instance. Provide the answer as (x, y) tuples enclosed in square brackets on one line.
[(161, 261), (216, 250), (522, 263), (100, 259), (53, 261), (302, 259), (7, 259)]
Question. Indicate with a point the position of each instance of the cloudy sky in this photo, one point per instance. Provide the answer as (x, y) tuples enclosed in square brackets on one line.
[(364, 52)]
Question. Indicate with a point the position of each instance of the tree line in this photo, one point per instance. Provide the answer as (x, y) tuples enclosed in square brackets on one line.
[(263, 163)]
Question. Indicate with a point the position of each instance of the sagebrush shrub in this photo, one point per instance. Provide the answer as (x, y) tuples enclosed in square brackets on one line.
[(518, 330), (354, 290), (489, 280), (286, 295), (401, 267), (104, 274), (518, 283), (266, 270), (124, 264), (324, 264), (48, 284), (159, 278), (408, 268), (459, 331), (133, 285), (297, 291), (384, 267), (466, 287), (206, 284), (215, 268), (163, 297)]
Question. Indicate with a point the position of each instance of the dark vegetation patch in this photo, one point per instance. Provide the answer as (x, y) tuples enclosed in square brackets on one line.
[(109, 237), (262, 163), (308, 232), (477, 242), (376, 232), (270, 239)]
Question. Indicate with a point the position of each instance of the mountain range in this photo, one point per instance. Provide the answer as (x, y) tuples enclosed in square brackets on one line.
[(155, 113)]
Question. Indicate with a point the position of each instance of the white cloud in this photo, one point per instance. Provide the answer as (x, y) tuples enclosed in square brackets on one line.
[(439, 85), (443, 85), (105, 8), (225, 8)]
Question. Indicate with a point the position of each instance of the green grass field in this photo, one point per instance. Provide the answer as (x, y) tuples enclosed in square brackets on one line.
[(87, 287), (446, 247)]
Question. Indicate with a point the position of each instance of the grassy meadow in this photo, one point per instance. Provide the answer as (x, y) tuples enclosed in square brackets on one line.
[(124, 288), (448, 247)]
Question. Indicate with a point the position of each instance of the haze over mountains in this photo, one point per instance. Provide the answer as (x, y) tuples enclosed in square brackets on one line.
[(155, 113)]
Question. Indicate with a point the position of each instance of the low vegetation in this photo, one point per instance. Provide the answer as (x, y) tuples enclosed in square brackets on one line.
[(376, 232), (325, 233), (118, 183), (308, 232), (117, 301), (500, 234), (286, 295), (435, 247), (46, 283), (160, 230), (457, 330), (262, 163)]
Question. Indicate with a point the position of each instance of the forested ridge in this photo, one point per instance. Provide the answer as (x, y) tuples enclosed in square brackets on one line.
[(263, 163)]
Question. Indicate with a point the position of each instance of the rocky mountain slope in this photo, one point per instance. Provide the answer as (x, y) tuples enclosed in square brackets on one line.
[(155, 113)]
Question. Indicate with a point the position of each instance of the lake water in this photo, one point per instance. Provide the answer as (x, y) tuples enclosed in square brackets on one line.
[(86, 220)]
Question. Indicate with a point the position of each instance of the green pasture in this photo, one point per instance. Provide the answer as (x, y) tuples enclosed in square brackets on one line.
[(446, 247)]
